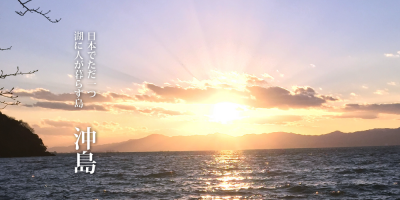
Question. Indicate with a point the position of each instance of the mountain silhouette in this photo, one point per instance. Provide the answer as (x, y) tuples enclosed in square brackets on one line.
[(275, 140), (17, 139)]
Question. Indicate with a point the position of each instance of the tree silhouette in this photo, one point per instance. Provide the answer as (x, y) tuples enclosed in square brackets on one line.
[(9, 94), (18, 139)]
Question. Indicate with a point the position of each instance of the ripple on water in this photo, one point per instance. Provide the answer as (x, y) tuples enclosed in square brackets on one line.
[(336, 173)]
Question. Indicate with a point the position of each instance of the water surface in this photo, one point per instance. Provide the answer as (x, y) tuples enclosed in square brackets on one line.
[(335, 173)]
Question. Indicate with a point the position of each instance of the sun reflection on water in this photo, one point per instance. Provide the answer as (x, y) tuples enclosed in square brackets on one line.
[(228, 173)]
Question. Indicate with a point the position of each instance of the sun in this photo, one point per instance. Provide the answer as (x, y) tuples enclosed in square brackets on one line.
[(225, 112)]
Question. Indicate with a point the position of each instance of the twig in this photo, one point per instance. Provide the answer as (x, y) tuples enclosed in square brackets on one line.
[(9, 48), (8, 104), (16, 73), (36, 11), (5, 93), (10, 94)]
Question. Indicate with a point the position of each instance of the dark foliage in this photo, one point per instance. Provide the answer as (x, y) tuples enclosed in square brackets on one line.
[(17, 139)]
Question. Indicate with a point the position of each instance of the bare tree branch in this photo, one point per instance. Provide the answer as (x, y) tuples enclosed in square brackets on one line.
[(9, 48), (9, 94), (3, 76), (8, 104), (36, 11)]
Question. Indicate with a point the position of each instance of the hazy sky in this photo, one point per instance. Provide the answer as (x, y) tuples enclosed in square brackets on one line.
[(200, 67)]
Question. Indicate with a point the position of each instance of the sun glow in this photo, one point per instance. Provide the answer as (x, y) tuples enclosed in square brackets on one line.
[(225, 112)]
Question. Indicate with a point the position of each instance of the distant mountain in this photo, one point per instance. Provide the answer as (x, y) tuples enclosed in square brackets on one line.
[(275, 140), (17, 139)]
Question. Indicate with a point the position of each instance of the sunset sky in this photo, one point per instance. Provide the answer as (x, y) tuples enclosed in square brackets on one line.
[(202, 67)]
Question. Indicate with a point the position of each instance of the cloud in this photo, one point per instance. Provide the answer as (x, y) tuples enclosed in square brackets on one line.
[(265, 75), (161, 111), (224, 80), (393, 108), (280, 74), (94, 107), (63, 123), (360, 115), (116, 96), (125, 107), (253, 80), (389, 55), (43, 94), (152, 111), (67, 127), (381, 92), (149, 98), (277, 97), (272, 120), (54, 131), (30, 76), (232, 87), (196, 95), (254, 96), (392, 83), (69, 107)]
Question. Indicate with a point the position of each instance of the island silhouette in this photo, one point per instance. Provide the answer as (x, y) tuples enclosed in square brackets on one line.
[(18, 139), (275, 140)]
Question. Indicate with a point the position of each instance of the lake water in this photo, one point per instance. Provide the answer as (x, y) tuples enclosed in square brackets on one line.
[(335, 173)]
